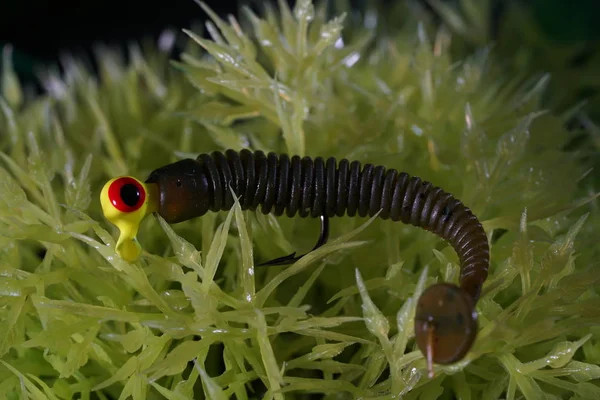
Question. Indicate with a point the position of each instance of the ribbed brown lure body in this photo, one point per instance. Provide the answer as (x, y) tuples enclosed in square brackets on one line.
[(445, 318)]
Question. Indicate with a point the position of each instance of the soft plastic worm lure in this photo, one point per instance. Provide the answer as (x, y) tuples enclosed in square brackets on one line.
[(445, 320)]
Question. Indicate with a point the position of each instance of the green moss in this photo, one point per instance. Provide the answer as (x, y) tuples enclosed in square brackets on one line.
[(194, 317)]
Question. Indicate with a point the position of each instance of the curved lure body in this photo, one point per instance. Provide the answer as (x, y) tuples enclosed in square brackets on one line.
[(445, 320)]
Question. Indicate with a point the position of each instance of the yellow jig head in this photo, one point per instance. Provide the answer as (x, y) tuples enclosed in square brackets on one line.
[(125, 203)]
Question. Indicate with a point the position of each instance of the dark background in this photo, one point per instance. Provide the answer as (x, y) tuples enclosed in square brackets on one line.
[(42, 28)]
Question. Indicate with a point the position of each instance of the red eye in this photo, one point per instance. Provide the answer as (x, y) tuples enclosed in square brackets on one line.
[(126, 194)]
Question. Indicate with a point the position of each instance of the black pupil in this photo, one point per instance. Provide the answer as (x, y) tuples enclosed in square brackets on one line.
[(130, 194)]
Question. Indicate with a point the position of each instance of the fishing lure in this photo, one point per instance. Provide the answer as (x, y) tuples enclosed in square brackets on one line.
[(445, 318)]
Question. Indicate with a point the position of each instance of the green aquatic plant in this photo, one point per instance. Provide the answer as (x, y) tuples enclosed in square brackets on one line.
[(195, 318)]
